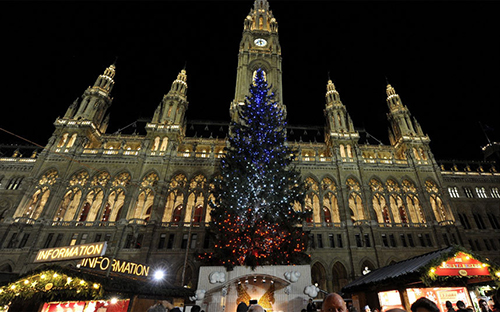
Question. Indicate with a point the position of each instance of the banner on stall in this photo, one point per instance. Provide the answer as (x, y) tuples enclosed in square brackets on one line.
[(462, 265)]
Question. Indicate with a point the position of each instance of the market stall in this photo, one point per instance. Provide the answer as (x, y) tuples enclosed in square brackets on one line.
[(56, 288), (448, 274)]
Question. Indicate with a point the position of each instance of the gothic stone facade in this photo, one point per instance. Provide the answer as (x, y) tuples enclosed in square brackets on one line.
[(147, 195)]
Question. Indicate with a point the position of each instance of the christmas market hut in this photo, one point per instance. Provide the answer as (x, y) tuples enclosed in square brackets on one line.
[(448, 274), (57, 288)]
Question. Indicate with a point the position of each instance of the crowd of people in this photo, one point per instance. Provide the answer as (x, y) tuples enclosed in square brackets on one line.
[(335, 303)]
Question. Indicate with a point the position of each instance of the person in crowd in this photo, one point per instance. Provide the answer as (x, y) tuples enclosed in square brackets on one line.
[(395, 310), (196, 308), (256, 308), (424, 305), (161, 306), (449, 306), (311, 307), (367, 308), (242, 307), (491, 304), (483, 305), (333, 303), (496, 301), (351, 307), (461, 307)]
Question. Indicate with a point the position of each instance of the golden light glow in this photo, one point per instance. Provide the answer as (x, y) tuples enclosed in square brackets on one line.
[(26, 281), (433, 270), (96, 286)]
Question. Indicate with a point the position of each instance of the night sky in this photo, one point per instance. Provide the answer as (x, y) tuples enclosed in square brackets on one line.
[(443, 58)]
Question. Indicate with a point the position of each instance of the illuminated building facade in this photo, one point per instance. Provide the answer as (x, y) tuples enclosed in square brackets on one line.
[(147, 195)]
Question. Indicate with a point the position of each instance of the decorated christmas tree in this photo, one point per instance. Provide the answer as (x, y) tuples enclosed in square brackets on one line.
[(254, 222)]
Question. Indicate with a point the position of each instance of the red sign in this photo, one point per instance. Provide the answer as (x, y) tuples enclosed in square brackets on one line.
[(462, 265), (87, 306)]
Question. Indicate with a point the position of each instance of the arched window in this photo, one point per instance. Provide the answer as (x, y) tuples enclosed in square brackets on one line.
[(106, 213), (312, 201), (84, 213), (146, 197), (39, 198), (436, 202), (175, 197), (164, 144), (72, 140), (379, 203), (73, 197), (63, 140), (413, 203), (355, 201), (156, 144), (330, 202), (177, 215)]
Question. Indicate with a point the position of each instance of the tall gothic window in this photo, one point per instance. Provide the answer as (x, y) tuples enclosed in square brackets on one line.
[(72, 198), (379, 203), (312, 201), (37, 202), (175, 199), (330, 202), (355, 202), (116, 198), (146, 196), (396, 202), (196, 200), (436, 202), (412, 202)]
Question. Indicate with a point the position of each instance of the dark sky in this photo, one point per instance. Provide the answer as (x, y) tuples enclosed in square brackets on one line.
[(443, 58)]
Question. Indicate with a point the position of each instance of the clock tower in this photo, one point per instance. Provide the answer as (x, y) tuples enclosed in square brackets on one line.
[(259, 48)]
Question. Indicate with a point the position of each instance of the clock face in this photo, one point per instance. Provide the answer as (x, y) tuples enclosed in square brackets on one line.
[(260, 42)]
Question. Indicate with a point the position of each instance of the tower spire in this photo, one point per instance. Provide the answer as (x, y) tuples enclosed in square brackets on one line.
[(174, 104), (259, 48), (338, 119), (96, 99)]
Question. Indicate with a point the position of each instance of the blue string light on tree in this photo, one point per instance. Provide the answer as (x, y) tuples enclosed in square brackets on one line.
[(253, 219)]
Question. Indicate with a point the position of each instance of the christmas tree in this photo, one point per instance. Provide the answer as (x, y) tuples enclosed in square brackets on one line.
[(253, 218)]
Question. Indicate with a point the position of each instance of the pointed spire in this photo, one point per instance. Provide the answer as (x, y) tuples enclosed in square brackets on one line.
[(105, 81), (179, 86), (332, 96), (261, 18)]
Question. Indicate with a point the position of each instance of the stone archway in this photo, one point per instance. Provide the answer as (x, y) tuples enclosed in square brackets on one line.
[(339, 273), (318, 276)]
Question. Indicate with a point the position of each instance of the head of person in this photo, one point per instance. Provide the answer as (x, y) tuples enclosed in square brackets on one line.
[(448, 304), (460, 304), (333, 303), (367, 308), (256, 308), (196, 308), (242, 307), (395, 310), (166, 304), (424, 305)]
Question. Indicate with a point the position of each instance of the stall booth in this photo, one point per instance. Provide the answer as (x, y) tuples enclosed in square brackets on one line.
[(70, 289), (448, 274)]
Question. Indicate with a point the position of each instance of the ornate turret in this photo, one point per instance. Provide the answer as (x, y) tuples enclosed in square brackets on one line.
[(259, 48), (405, 132), (339, 123), (168, 123), (96, 100), (403, 125), (174, 104)]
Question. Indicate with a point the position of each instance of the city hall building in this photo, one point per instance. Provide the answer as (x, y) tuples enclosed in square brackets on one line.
[(147, 195)]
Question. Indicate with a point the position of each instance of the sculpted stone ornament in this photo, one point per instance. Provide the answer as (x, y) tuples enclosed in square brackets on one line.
[(311, 290), (217, 277), (292, 276)]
